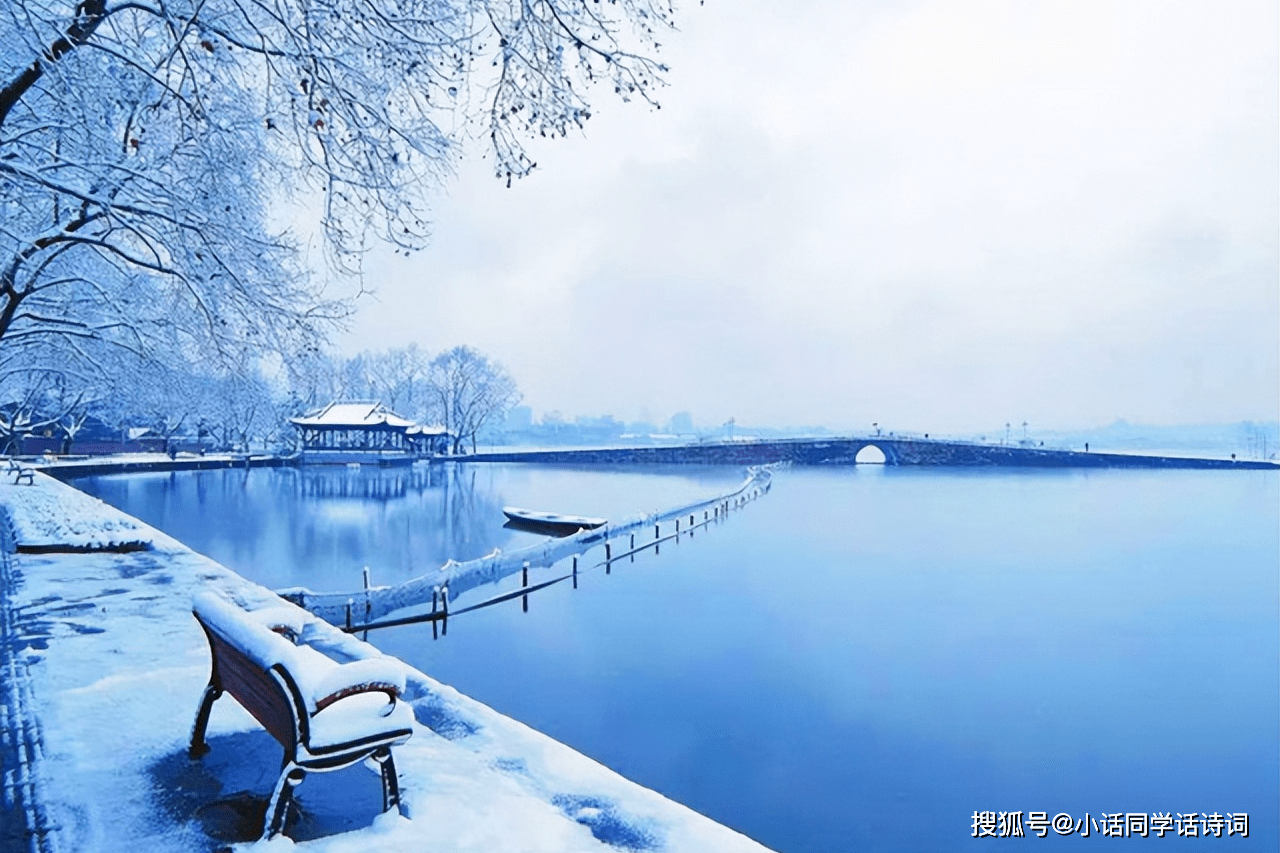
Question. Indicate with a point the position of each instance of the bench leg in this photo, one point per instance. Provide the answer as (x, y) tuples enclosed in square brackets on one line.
[(198, 747), (390, 782), (281, 797)]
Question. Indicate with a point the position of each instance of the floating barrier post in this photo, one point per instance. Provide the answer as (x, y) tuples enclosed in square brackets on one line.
[(444, 610), (368, 605), (524, 581)]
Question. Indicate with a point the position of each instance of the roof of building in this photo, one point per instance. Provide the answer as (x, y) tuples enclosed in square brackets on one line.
[(434, 429), (352, 416)]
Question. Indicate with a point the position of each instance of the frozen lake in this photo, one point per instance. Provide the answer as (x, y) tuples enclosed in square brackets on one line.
[(858, 661)]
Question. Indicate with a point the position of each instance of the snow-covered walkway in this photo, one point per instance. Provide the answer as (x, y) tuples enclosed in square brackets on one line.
[(103, 669)]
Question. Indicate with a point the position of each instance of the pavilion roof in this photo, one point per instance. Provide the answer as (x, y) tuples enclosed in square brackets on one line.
[(352, 416)]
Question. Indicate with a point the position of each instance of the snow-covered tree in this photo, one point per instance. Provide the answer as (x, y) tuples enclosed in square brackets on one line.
[(37, 403), (314, 381), (396, 377), (127, 217), (50, 391), (399, 377), (468, 393), (171, 401), (143, 143), (240, 409)]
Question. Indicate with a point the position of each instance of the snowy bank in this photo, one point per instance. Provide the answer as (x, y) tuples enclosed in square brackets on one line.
[(67, 467), (112, 665), (47, 515)]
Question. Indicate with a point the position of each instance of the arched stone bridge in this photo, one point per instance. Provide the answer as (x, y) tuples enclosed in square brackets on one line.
[(844, 451)]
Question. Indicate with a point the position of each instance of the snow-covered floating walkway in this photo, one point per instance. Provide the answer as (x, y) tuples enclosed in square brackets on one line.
[(103, 666), (355, 609)]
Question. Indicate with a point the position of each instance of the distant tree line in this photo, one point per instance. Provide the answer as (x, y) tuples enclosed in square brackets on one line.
[(461, 389)]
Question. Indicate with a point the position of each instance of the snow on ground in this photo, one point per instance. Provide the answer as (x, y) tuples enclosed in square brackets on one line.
[(126, 461), (116, 666), (46, 514), (115, 458)]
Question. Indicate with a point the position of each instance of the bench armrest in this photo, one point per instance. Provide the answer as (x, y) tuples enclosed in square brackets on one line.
[(362, 676)]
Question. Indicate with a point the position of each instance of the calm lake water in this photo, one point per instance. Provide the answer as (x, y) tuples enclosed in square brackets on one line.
[(858, 661)]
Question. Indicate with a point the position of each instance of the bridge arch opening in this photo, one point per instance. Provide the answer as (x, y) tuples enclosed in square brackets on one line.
[(869, 455)]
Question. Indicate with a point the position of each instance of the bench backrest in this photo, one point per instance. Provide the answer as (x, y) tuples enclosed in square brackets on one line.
[(262, 692), (252, 663)]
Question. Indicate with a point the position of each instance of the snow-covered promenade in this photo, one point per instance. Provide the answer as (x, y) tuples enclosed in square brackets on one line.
[(122, 463), (103, 668)]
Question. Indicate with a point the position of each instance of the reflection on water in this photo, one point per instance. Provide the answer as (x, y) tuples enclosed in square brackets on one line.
[(859, 662), (318, 526), (379, 484)]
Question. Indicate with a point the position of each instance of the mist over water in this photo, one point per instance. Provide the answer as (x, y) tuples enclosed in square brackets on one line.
[(859, 660)]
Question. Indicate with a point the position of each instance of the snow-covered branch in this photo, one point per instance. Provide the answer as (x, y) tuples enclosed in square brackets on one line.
[(143, 143)]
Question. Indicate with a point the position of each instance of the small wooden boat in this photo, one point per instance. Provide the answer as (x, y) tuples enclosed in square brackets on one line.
[(549, 522)]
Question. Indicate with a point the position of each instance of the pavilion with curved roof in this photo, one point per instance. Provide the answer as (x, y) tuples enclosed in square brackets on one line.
[(365, 431)]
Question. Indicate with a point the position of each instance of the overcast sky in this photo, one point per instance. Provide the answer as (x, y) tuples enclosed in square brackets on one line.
[(933, 215)]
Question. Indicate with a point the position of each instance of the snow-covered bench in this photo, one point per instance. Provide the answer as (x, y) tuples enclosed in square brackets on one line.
[(326, 715), (21, 473)]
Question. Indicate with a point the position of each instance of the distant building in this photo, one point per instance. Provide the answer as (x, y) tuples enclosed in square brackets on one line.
[(365, 432)]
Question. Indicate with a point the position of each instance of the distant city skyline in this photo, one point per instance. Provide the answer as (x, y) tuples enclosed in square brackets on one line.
[(937, 216)]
